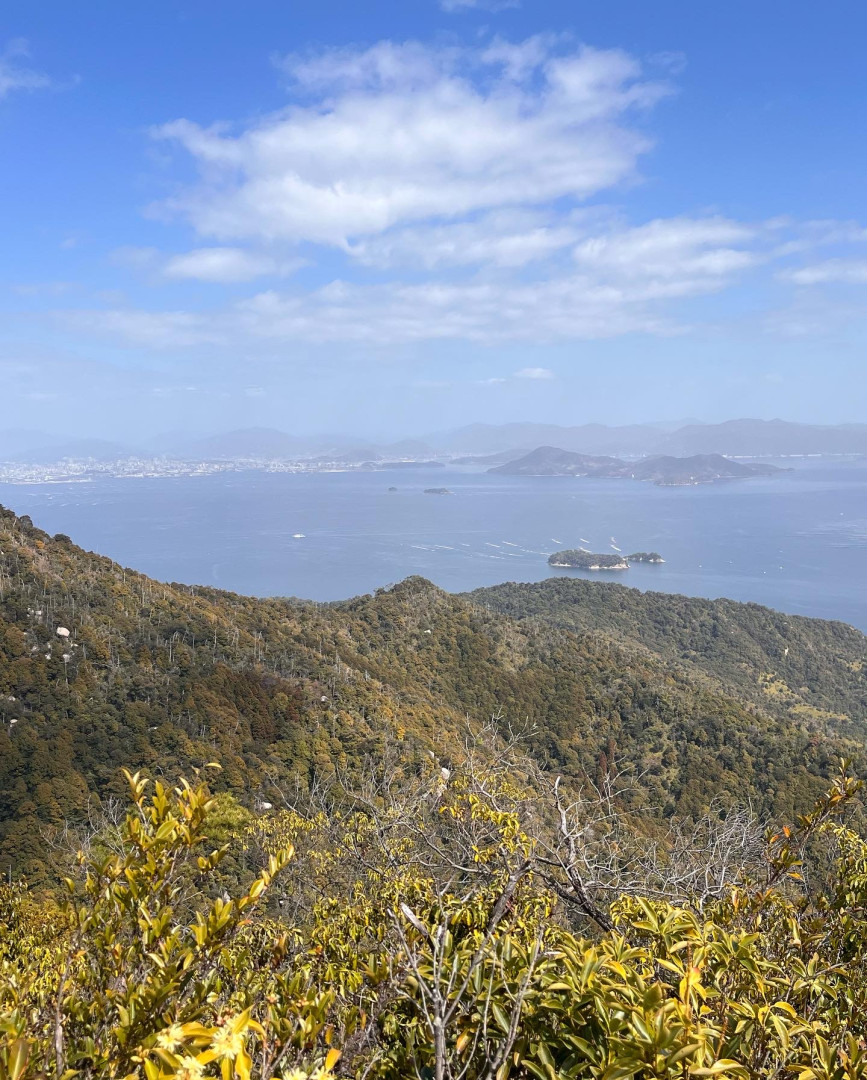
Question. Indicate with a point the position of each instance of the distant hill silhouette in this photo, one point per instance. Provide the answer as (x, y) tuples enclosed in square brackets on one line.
[(739, 438), (255, 442), (662, 469)]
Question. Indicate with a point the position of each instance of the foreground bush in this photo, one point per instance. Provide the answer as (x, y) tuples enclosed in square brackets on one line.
[(442, 941)]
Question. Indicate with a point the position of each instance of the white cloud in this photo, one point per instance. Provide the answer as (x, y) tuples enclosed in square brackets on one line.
[(15, 73), (136, 258), (220, 265), (537, 277), (225, 264), (44, 288), (505, 238), (809, 235), (534, 373), (148, 329), (478, 5), (483, 312), (447, 186), (396, 135), (832, 271), (678, 256), (395, 314)]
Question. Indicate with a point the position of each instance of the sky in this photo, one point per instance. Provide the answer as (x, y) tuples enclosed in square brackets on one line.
[(384, 219)]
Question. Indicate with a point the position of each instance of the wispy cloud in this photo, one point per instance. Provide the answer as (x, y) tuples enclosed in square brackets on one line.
[(502, 238), (218, 265), (478, 5), (397, 314), (534, 373), (832, 271), (15, 71), (597, 278), (684, 253), (225, 265)]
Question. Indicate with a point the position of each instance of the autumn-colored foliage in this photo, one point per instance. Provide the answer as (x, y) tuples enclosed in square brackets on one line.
[(367, 964)]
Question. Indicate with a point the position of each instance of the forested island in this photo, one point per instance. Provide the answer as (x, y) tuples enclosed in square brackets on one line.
[(664, 470), (579, 559)]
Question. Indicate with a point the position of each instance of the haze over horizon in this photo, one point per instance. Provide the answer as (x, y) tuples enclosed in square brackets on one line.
[(389, 221)]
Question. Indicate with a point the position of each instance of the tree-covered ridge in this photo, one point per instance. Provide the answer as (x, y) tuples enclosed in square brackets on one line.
[(283, 693), (807, 667)]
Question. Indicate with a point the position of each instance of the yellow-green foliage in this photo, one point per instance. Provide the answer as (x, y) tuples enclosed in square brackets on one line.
[(387, 971)]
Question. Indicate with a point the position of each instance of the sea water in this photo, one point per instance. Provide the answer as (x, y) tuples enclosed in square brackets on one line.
[(796, 542)]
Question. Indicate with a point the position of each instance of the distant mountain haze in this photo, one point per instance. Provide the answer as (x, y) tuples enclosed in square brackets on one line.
[(16, 441), (102, 450), (766, 438), (247, 443), (746, 438), (733, 438), (587, 438)]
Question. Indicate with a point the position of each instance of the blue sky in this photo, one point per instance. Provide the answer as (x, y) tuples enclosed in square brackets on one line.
[(386, 218)]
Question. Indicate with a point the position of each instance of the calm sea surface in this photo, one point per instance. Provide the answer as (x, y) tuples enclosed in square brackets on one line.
[(797, 542)]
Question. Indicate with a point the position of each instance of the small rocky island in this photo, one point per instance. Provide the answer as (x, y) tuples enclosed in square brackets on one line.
[(437, 491), (579, 559)]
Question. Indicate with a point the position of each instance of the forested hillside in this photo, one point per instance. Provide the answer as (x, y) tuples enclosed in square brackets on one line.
[(168, 677), (805, 667)]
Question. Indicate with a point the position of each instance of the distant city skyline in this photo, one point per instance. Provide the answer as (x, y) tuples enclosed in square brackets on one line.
[(386, 220)]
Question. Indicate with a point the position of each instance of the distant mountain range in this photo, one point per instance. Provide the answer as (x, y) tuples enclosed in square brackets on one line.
[(466, 445), (245, 443), (738, 438), (73, 450), (695, 469), (587, 439)]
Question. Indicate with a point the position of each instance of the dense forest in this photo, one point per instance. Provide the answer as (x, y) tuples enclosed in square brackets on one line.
[(787, 664)]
